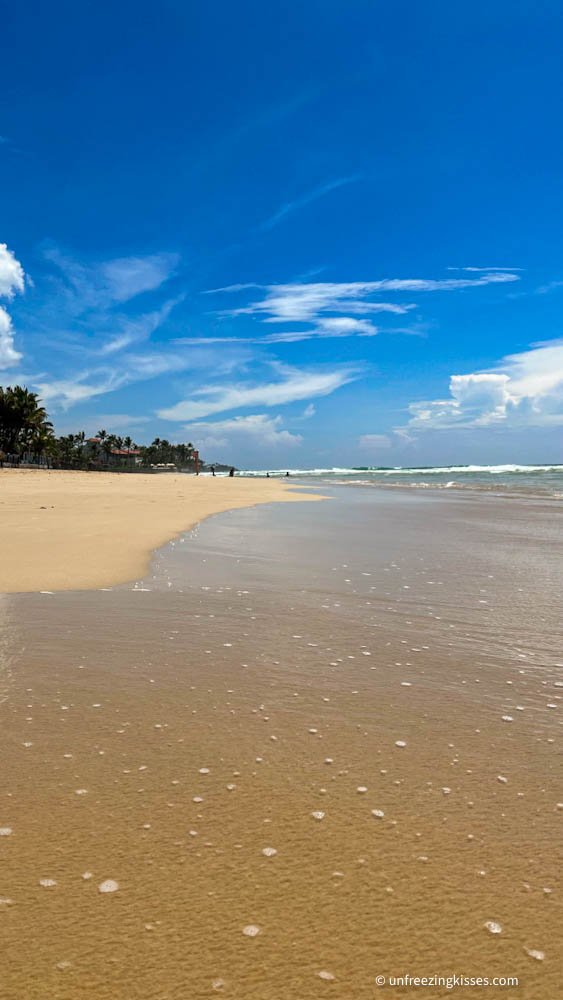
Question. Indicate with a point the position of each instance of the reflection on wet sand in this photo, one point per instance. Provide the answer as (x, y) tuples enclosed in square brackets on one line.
[(288, 762)]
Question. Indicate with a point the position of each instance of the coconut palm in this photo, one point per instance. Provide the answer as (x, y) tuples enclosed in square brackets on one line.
[(21, 417)]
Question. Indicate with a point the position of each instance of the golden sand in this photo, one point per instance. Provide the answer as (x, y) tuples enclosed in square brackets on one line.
[(80, 530)]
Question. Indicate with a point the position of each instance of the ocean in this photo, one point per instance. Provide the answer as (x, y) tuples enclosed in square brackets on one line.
[(536, 480)]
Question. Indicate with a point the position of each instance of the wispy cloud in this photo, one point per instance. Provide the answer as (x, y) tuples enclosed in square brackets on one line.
[(100, 380), (105, 283), (488, 270), (305, 302), (551, 286), (294, 385), (293, 206), (523, 390), (331, 326), (137, 329)]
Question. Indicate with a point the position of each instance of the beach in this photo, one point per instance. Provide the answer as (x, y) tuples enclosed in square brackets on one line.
[(298, 748), (79, 530)]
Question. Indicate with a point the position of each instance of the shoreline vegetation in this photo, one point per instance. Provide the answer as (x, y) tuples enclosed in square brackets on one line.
[(62, 530), (27, 438)]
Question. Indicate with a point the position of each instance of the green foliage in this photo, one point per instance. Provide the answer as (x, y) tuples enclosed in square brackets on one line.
[(24, 425), (25, 430)]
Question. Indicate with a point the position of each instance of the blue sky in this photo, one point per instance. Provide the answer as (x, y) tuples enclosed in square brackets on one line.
[(296, 234)]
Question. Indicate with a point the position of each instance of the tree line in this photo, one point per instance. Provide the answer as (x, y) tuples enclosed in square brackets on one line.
[(27, 434)]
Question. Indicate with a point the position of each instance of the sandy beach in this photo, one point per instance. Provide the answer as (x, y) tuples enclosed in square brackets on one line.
[(301, 751), (78, 530)]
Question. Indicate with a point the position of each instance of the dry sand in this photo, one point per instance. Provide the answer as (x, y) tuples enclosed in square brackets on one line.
[(80, 530)]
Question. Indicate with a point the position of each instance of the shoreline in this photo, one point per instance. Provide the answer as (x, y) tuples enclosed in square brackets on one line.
[(63, 530), (311, 722)]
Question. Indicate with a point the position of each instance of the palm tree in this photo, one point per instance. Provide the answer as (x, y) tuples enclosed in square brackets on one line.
[(21, 417)]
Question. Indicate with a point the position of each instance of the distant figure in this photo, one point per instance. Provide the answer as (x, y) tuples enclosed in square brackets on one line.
[(287, 473), (212, 470), (267, 475), (231, 473)]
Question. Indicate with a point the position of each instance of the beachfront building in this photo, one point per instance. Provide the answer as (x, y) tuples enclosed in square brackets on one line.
[(106, 453)]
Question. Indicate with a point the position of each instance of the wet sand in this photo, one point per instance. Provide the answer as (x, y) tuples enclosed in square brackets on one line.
[(78, 530), (267, 668)]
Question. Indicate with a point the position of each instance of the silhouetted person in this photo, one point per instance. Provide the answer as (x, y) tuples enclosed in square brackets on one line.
[(231, 473), (287, 473), (212, 470)]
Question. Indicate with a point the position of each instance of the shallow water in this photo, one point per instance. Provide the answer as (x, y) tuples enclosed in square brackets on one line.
[(165, 734)]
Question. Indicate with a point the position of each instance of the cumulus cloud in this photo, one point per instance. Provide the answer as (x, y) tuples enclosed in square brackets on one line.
[(8, 354), (12, 280), (12, 277), (294, 386), (256, 431), (524, 390)]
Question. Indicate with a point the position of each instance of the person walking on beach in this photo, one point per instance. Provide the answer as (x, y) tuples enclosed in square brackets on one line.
[(213, 470), (231, 473)]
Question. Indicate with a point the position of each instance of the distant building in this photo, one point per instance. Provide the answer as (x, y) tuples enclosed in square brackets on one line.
[(128, 458)]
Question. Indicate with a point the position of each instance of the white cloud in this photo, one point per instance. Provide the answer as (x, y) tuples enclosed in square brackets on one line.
[(297, 203), (140, 328), (296, 385), (102, 284), (8, 354), (524, 390), (309, 411), (256, 430), (373, 442), (12, 277), (305, 303), (12, 280), (328, 327)]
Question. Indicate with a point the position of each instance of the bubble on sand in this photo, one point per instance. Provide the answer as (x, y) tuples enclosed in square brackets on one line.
[(327, 976), (63, 966), (108, 886), (507, 718), (400, 743), (378, 813), (502, 779), (197, 798), (446, 790), (86, 876), (231, 787), (81, 791), (5, 831), (361, 789), (329, 760), (251, 930), (493, 927), (269, 852), (534, 953), (318, 814), (47, 883), (204, 770), (217, 984)]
